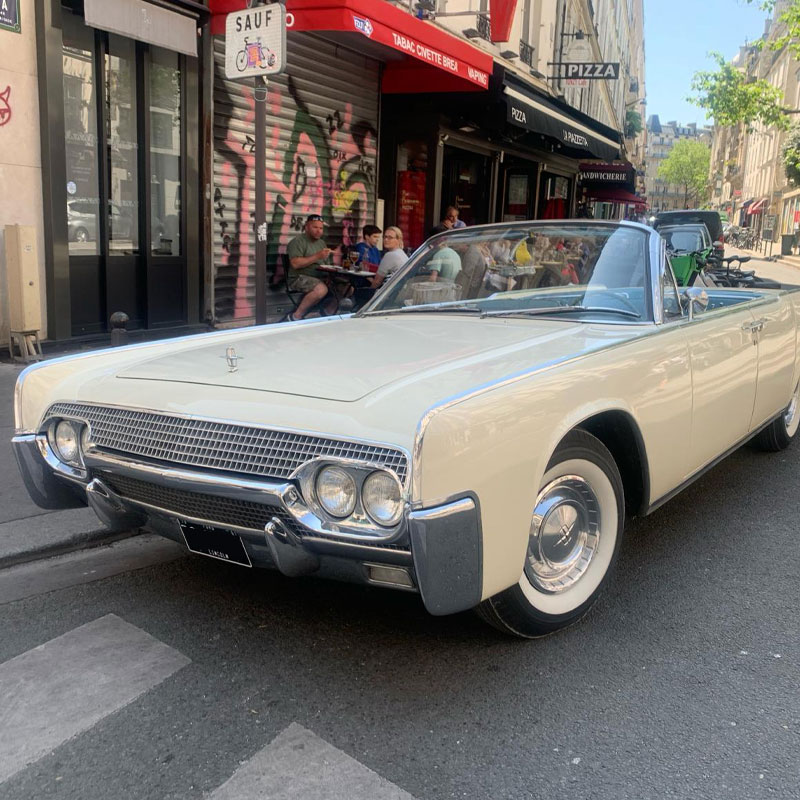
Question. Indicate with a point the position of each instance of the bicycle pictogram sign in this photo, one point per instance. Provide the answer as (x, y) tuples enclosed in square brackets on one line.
[(253, 55)]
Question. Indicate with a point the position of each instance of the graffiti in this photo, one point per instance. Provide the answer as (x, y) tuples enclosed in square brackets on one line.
[(5, 106), (327, 166)]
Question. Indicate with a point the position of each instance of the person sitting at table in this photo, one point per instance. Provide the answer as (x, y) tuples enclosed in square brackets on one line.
[(305, 252), (369, 256), (445, 262), (393, 255)]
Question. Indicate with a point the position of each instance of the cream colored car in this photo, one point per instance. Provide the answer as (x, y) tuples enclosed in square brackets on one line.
[(478, 441)]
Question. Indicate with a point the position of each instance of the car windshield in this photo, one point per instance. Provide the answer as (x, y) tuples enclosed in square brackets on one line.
[(588, 271), (684, 239)]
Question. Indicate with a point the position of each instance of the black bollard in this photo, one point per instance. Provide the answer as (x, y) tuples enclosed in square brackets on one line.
[(118, 322)]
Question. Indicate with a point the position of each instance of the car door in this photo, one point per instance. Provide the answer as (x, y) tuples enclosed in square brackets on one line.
[(724, 362), (774, 335)]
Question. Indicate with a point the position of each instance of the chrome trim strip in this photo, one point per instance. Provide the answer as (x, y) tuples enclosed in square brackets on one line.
[(440, 512), (657, 268)]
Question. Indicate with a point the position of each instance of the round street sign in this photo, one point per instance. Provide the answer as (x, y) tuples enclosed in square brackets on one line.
[(255, 42)]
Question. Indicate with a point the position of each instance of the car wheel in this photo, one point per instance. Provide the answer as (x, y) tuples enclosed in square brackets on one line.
[(81, 235), (780, 433), (575, 534)]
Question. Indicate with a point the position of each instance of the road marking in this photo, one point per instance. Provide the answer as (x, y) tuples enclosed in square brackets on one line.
[(65, 686), (299, 764), (86, 566)]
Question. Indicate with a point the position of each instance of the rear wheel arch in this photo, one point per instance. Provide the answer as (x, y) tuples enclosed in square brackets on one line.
[(620, 434)]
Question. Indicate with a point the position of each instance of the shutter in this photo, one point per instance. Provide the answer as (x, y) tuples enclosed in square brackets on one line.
[(322, 123)]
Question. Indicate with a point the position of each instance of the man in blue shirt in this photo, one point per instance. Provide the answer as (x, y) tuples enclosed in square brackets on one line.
[(368, 254)]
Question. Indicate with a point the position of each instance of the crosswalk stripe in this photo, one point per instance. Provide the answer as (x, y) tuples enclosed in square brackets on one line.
[(65, 686), (299, 764)]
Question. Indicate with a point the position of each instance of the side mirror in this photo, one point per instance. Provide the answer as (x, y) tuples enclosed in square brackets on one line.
[(718, 245), (694, 295)]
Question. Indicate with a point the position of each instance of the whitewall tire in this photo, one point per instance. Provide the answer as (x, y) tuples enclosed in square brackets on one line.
[(575, 533)]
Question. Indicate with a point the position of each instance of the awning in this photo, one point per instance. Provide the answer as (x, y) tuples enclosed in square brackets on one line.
[(534, 112), (758, 206), (420, 57), (615, 195)]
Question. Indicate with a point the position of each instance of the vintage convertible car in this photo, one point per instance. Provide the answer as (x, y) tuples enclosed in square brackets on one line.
[(477, 438)]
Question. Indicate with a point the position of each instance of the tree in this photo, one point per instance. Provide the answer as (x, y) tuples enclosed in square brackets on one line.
[(730, 97), (687, 166), (790, 154), (633, 124)]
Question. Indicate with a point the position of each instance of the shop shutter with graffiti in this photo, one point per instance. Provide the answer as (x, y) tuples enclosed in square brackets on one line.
[(322, 122)]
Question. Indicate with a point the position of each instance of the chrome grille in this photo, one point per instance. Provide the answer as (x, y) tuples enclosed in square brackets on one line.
[(224, 511), (218, 445)]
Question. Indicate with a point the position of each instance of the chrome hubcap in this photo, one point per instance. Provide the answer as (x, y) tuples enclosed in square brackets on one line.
[(564, 534)]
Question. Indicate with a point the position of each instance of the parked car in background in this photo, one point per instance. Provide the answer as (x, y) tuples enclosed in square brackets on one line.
[(684, 244), (82, 221), (478, 441), (710, 219)]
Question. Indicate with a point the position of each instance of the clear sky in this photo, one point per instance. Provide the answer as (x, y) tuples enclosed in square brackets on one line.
[(678, 35)]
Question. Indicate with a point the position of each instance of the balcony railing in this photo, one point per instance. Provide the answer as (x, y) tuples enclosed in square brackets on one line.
[(484, 27), (525, 53)]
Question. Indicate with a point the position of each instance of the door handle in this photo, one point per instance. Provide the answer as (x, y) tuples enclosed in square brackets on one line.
[(754, 326)]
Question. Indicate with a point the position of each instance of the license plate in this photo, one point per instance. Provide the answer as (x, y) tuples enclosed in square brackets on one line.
[(215, 543)]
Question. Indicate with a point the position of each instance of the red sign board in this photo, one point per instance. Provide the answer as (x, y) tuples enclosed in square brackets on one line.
[(385, 24)]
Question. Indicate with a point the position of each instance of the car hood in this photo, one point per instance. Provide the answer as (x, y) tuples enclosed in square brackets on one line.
[(353, 358)]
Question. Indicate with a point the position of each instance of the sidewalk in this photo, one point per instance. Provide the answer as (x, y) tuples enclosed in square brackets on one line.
[(28, 532)]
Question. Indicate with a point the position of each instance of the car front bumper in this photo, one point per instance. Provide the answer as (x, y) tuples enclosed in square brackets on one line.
[(440, 549)]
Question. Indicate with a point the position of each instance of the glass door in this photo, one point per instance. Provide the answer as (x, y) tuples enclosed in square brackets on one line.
[(125, 149)]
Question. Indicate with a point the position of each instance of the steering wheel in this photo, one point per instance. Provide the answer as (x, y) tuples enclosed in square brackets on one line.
[(623, 301)]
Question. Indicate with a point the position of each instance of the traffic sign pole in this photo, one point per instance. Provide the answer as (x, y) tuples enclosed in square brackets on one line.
[(260, 95), (255, 46)]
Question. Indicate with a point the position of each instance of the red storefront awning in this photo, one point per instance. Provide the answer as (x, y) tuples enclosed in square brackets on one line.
[(424, 58), (615, 195), (757, 207)]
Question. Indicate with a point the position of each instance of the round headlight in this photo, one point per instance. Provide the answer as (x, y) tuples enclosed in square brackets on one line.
[(66, 441), (382, 500), (336, 491)]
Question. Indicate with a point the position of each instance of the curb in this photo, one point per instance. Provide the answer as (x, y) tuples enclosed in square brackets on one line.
[(83, 541)]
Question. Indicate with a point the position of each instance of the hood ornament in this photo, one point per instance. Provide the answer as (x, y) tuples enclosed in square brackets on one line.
[(232, 359)]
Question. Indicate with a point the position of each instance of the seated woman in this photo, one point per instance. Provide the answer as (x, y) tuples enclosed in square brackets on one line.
[(393, 255)]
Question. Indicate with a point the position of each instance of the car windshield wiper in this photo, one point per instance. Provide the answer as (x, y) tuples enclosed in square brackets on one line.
[(548, 310), (426, 310)]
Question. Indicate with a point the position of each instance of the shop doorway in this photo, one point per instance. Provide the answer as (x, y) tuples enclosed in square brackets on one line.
[(555, 196), (466, 178), (125, 158), (519, 193)]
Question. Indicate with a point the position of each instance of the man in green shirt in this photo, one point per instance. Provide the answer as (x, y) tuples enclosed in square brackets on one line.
[(304, 253)]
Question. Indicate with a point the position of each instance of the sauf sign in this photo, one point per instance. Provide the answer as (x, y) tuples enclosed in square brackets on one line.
[(255, 42)]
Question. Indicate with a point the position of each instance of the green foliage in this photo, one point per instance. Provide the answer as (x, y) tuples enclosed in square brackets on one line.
[(790, 17), (731, 98), (633, 124), (790, 155), (687, 166)]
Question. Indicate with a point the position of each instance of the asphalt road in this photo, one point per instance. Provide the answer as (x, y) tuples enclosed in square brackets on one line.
[(223, 682)]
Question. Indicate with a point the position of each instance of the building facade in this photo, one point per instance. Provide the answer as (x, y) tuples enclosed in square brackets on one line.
[(135, 154), (661, 138)]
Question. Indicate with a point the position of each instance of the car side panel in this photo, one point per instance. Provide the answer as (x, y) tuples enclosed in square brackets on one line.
[(777, 356), (724, 373), (497, 442)]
